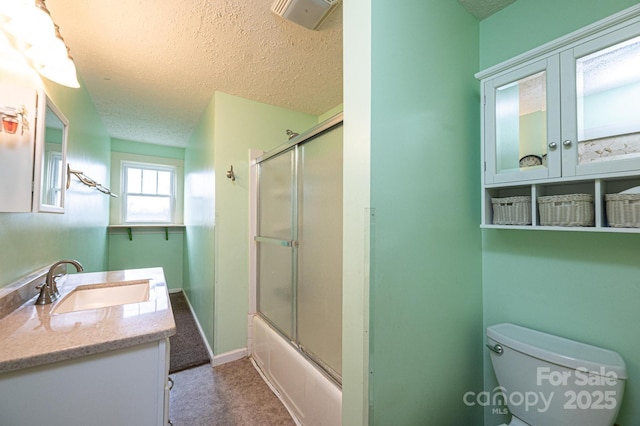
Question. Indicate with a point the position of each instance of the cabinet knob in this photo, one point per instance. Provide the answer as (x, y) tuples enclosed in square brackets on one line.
[(553, 145), (567, 143)]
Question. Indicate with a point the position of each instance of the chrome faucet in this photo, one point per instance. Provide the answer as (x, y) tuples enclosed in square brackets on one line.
[(49, 289)]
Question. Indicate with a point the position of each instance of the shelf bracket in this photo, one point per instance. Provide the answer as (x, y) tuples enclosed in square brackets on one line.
[(130, 233), (166, 233)]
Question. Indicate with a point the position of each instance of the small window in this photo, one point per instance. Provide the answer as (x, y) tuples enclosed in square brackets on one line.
[(148, 193)]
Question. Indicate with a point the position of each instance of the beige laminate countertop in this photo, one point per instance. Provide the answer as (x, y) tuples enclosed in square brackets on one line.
[(31, 335)]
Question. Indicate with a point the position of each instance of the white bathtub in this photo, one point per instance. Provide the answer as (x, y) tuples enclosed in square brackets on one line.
[(308, 394)]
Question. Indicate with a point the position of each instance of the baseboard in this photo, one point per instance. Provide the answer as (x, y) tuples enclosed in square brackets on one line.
[(229, 356), (195, 317)]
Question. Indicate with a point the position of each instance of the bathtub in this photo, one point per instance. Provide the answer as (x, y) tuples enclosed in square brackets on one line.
[(309, 395)]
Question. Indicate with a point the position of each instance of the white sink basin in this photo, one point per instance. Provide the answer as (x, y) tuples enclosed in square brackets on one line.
[(95, 296)]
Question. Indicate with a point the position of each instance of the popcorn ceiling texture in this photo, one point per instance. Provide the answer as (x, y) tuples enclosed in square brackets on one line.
[(151, 67), (484, 8)]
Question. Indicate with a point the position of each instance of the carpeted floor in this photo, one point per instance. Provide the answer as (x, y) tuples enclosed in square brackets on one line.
[(232, 394), (187, 347)]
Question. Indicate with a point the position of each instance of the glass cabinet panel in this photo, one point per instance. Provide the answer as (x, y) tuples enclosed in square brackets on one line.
[(521, 123), (607, 103)]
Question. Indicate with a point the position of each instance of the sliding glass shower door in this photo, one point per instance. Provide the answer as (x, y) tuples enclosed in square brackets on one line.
[(300, 246), (276, 239)]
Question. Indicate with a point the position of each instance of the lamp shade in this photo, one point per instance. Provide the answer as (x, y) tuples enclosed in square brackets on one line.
[(36, 36)]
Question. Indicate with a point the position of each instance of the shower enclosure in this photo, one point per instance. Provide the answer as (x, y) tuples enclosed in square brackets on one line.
[(298, 258)]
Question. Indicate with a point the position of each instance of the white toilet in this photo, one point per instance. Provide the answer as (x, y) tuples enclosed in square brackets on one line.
[(548, 380)]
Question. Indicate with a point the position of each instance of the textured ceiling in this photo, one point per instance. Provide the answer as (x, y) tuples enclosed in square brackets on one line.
[(484, 8), (151, 67)]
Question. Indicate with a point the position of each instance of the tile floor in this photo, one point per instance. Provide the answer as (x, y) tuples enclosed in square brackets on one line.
[(232, 394)]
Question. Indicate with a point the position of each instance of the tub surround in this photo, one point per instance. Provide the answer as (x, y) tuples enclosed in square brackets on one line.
[(307, 392), (34, 336)]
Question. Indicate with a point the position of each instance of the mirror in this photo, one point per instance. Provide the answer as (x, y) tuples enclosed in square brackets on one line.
[(51, 158)]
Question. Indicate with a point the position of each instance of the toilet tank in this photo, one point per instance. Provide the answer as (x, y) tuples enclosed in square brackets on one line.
[(550, 380)]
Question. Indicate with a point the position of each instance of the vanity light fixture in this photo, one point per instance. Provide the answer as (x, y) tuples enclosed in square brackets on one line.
[(30, 27)]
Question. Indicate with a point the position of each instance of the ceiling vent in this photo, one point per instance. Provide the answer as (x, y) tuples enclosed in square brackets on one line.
[(308, 13)]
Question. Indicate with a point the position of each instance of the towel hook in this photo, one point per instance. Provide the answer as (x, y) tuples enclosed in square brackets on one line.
[(231, 175), (87, 181)]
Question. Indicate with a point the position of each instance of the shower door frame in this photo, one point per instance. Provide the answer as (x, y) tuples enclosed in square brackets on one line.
[(256, 157)]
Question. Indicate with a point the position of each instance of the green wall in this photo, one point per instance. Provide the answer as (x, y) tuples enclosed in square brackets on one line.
[(217, 209), (149, 248), (141, 148), (333, 111), (583, 286), (425, 291), (33, 240), (527, 24), (199, 219), (241, 124)]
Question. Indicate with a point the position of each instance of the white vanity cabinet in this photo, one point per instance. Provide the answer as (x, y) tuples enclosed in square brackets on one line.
[(564, 119), (91, 365), (119, 387)]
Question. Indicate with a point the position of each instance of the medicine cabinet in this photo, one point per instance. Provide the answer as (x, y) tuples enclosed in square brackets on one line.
[(50, 158), (563, 118), (17, 144), (33, 148)]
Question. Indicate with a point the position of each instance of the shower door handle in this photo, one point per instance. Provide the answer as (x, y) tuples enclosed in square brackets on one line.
[(283, 243)]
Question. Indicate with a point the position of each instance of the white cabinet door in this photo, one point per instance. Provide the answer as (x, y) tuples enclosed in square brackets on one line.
[(522, 123), (121, 387), (17, 142), (600, 104)]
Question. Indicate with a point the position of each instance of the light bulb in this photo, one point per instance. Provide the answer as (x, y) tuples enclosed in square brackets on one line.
[(47, 50), (62, 72)]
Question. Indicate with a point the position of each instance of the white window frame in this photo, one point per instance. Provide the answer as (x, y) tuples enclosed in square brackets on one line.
[(124, 166)]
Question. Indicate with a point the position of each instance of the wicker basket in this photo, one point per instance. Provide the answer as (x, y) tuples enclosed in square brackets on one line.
[(511, 211), (623, 210), (566, 210)]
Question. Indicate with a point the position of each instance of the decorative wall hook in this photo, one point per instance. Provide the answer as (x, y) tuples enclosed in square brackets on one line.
[(231, 175)]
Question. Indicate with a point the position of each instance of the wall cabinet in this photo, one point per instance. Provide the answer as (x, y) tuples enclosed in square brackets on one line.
[(563, 119), (17, 145), (33, 147)]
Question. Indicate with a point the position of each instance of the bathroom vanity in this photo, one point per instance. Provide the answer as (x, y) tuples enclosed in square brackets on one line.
[(101, 365)]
